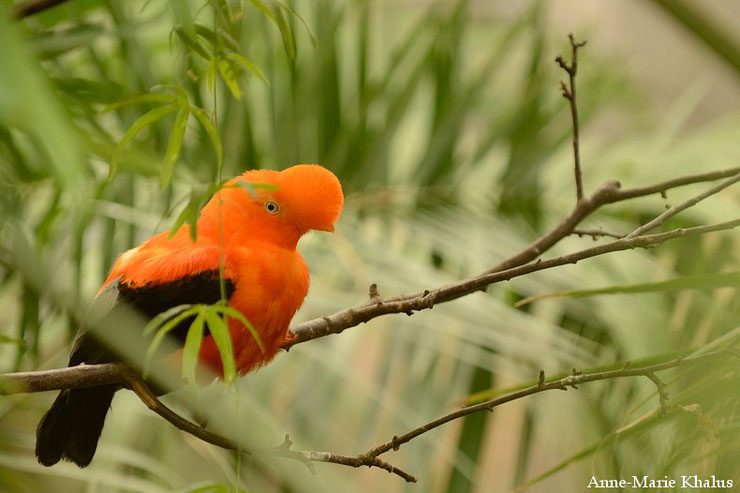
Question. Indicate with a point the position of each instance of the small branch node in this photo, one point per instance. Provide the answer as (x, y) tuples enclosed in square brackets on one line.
[(374, 294), (541, 379), (662, 393)]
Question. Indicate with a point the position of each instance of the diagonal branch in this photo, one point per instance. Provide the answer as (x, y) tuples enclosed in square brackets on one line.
[(576, 378), (350, 317), (609, 193), (685, 205), (126, 376)]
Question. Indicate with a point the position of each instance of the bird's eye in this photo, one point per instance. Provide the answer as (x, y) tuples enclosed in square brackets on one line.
[(272, 207)]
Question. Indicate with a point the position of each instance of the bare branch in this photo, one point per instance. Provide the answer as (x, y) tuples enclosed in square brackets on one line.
[(350, 317), (685, 205), (122, 374), (577, 378), (595, 233), (569, 93), (64, 378), (609, 193)]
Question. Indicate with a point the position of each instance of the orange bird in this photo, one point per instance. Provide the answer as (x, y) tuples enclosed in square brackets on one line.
[(266, 280)]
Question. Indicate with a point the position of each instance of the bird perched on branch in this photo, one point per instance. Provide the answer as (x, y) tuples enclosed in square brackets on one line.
[(253, 230)]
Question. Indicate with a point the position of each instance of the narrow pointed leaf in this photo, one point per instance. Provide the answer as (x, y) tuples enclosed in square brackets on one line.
[(147, 118), (191, 349), (230, 78), (703, 281), (247, 65), (142, 98), (161, 334), (222, 338), (174, 145), (234, 313), (212, 132)]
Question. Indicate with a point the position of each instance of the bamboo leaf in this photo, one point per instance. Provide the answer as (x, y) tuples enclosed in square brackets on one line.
[(234, 313), (174, 145), (191, 42), (274, 13), (188, 215), (142, 98), (162, 333), (703, 281), (214, 36), (295, 14), (191, 348), (157, 321), (10, 340), (247, 64), (222, 338), (286, 32), (230, 77), (147, 118), (212, 132)]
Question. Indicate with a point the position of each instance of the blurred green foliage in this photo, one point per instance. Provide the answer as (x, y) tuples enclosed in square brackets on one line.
[(449, 135)]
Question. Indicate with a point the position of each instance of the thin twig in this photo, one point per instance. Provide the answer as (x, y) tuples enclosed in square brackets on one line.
[(350, 317), (684, 205), (609, 193), (595, 233), (561, 384), (569, 93)]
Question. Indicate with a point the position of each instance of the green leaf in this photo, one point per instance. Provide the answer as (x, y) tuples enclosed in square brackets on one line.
[(222, 338), (212, 132), (274, 13), (162, 333), (234, 313), (645, 421), (285, 31), (703, 281), (230, 77), (157, 321), (191, 349), (191, 42), (174, 145), (180, 93), (10, 340), (293, 12), (147, 118), (211, 73), (189, 214), (214, 37), (247, 64), (142, 98)]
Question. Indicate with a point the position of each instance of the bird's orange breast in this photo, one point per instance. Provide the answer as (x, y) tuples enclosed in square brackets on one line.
[(270, 286)]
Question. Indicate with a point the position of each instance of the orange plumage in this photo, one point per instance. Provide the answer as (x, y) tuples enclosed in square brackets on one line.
[(259, 253), (255, 232)]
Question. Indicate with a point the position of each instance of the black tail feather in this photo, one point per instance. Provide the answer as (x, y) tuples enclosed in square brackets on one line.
[(71, 428)]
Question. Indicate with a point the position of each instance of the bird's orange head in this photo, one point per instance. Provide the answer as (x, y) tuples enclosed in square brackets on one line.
[(278, 206)]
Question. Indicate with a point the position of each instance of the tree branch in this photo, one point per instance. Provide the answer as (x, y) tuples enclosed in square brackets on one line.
[(126, 376), (685, 205), (577, 378), (350, 317), (569, 93)]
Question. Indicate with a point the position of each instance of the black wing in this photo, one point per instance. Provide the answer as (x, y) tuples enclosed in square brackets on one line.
[(70, 429), (147, 301)]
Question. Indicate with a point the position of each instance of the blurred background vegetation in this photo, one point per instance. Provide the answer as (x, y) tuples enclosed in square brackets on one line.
[(444, 122)]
